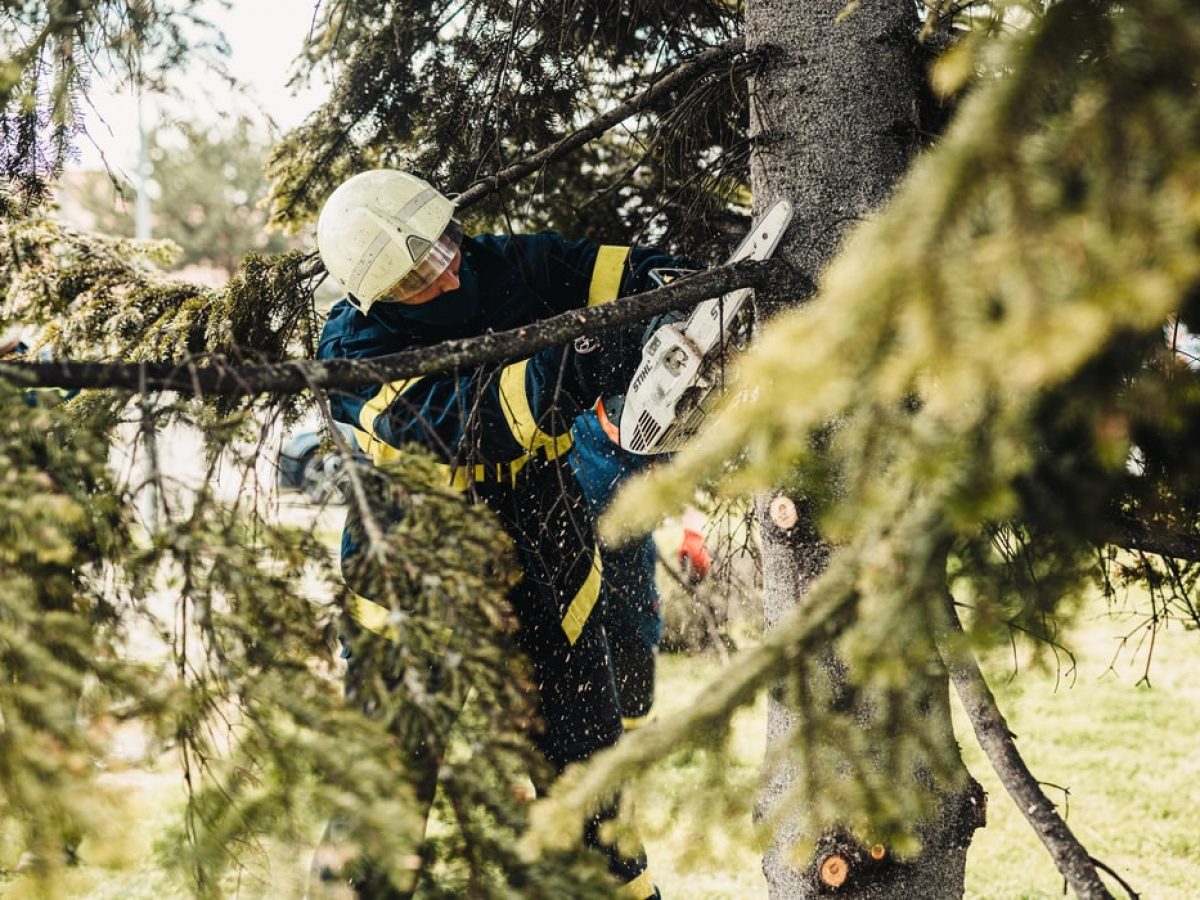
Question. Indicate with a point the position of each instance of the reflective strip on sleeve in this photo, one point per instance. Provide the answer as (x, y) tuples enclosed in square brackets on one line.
[(458, 477), (382, 455), (607, 273), (641, 888), (379, 453), (461, 477), (583, 602), (380, 402), (515, 402)]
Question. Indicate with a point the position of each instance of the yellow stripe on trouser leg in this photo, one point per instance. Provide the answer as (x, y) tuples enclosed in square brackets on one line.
[(583, 601), (371, 616), (636, 722), (377, 619), (607, 274), (514, 401), (641, 888)]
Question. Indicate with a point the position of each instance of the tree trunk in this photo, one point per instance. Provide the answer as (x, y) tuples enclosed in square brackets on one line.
[(835, 123)]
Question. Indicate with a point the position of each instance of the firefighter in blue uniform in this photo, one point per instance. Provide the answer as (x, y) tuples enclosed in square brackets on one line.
[(503, 433)]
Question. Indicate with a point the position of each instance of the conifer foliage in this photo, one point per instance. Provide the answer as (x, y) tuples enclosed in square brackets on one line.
[(63, 519), (459, 91), (989, 409)]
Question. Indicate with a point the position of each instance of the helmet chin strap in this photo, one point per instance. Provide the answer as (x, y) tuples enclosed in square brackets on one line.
[(452, 308)]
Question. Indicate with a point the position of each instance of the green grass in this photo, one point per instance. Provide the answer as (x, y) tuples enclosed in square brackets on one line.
[(1127, 752)]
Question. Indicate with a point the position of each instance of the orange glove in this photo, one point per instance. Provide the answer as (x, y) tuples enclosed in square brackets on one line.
[(694, 557)]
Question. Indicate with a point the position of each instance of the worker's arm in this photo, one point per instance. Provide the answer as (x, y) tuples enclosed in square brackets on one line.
[(494, 414), (570, 274)]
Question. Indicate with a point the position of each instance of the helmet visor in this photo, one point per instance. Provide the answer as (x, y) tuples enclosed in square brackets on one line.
[(429, 268)]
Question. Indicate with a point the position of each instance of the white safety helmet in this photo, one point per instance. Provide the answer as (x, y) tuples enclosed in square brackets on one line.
[(386, 234)]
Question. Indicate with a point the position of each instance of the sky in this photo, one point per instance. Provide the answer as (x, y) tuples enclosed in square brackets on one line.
[(264, 37)]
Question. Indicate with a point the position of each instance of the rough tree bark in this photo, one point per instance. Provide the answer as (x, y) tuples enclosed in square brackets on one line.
[(835, 123)]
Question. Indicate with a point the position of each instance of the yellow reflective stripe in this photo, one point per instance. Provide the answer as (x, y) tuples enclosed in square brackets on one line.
[(383, 454), (641, 888), (381, 401), (378, 451), (517, 412), (514, 401), (457, 476), (371, 616), (607, 273), (583, 602), (460, 477), (636, 722), (518, 464)]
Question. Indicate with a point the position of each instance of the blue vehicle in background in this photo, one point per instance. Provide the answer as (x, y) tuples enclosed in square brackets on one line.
[(306, 464)]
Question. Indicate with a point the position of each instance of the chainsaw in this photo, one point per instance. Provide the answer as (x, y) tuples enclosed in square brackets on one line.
[(682, 373)]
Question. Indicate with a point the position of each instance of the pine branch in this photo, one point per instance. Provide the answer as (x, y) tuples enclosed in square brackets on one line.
[(222, 378), (686, 71), (1069, 855)]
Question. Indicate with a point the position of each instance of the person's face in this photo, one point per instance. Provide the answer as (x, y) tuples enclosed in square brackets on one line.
[(446, 282)]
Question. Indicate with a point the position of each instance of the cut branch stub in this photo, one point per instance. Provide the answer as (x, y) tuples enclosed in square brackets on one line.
[(834, 870), (782, 510)]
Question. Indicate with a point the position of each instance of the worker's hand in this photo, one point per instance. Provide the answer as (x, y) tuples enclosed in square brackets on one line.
[(604, 364)]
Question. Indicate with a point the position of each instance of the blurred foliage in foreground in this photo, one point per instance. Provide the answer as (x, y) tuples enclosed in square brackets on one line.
[(991, 350), (240, 689)]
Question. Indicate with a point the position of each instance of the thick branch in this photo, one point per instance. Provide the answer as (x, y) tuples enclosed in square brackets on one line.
[(1134, 534), (686, 71), (992, 732), (505, 346)]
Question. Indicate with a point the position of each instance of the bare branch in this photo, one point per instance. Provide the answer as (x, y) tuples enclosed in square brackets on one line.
[(1070, 856), (686, 71), (223, 378), (1135, 534)]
